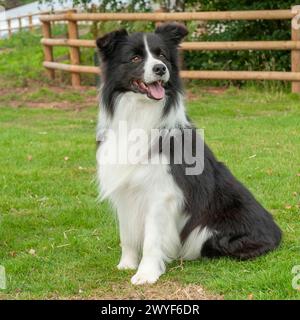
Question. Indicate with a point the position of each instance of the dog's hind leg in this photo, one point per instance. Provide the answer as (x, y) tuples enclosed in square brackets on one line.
[(239, 246)]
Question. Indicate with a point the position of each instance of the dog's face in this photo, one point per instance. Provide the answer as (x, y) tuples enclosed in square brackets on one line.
[(144, 63)]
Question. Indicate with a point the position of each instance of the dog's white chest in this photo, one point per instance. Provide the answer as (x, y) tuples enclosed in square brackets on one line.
[(136, 189), (118, 162)]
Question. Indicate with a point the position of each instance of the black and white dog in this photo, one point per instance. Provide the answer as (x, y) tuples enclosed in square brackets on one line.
[(163, 212)]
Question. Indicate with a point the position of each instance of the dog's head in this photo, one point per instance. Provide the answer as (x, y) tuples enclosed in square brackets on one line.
[(144, 63)]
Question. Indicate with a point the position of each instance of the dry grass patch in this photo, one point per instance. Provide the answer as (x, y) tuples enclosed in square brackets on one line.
[(168, 290)]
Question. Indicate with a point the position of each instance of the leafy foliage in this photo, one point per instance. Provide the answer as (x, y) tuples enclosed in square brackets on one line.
[(241, 30), (9, 4), (107, 5)]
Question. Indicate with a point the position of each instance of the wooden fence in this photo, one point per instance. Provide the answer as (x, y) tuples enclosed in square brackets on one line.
[(74, 43), (21, 19)]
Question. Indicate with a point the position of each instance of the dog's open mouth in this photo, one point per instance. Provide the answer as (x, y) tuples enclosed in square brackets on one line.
[(154, 90)]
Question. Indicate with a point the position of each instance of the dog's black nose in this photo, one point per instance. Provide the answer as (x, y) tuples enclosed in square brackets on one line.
[(159, 69)]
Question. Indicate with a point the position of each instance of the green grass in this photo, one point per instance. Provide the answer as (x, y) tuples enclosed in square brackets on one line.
[(48, 203), (46, 95), (21, 59)]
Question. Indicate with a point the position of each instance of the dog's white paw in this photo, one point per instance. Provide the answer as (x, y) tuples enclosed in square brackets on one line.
[(126, 264), (145, 278)]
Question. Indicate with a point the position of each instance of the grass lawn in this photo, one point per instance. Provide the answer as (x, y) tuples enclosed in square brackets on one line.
[(57, 242)]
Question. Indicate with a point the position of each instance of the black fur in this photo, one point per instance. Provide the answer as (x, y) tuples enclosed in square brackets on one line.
[(242, 228), (215, 199)]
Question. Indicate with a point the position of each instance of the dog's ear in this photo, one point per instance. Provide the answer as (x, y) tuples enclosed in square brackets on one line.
[(107, 43), (172, 32)]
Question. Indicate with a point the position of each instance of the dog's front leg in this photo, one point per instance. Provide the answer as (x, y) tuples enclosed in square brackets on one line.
[(130, 256), (152, 264)]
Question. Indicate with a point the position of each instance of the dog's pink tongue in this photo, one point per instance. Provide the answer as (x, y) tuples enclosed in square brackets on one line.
[(156, 90)]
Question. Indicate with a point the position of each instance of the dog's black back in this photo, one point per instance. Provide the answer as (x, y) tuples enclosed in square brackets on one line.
[(243, 229)]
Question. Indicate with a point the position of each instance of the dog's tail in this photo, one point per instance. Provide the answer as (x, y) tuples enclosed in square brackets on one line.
[(242, 246)]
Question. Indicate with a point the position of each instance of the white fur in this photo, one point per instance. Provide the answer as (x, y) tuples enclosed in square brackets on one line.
[(149, 75), (148, 202), (193, 244)]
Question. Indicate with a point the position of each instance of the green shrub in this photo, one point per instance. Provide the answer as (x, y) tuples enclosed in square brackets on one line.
[(238, 31)]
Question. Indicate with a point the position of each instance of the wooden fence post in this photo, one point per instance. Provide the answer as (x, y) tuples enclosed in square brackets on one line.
[(9, 27), (74, 51), (20, 23), (161, 9), (295, 53), (48, 51), (30, 23)]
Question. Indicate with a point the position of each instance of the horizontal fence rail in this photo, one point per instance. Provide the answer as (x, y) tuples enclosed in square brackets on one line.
[(220, 45), (178, 16), (210, 75), (74, 43)]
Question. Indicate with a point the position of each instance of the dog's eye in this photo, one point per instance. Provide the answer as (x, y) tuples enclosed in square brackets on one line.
[(136, 59), (162, 56)]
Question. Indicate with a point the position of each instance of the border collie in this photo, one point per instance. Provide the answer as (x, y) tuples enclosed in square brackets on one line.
[(163, 212)]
